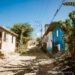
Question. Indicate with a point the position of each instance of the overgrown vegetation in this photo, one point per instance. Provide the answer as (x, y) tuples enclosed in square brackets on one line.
[(69, 37), (69, 29), (39, 40), (24, 34)]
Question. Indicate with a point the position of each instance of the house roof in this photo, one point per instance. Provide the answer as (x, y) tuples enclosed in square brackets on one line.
[(8, 30), (51, 27)]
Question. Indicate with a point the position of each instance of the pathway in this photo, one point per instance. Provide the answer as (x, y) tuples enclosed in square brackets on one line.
[(34, 62)]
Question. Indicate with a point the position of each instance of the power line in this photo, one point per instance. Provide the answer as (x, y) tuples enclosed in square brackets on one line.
[(57, 11)]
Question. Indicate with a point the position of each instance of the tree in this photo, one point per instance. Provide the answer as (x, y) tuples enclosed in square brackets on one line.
[(72, 37), (39, 39), (24, 32), (69, 27), (72, 17), (71, 3)]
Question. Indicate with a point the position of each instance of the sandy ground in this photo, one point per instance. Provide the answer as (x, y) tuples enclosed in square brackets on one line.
[(34, 62)]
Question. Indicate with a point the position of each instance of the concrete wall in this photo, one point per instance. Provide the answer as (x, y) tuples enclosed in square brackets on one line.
[(49, 42), (8, 45)]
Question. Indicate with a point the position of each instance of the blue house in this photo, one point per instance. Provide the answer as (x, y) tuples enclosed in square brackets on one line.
[(54, 38)]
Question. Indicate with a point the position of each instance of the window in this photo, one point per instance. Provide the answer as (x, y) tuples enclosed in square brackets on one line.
[(57, 33), (4, 36), (12, 39)]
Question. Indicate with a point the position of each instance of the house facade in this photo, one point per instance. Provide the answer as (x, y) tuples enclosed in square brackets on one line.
[(58, 40), (54, 38), (32, 43), (7, 40)]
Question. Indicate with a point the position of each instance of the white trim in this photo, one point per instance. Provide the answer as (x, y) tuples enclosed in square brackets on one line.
[(58, 47), (57, 33)]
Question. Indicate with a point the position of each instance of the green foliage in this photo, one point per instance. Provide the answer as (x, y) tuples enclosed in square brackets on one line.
[(66, 25), (69, 3), (27, 29), (69, 27), (39, 39), (26, 39), (24, 28), (72, 17), (24, 34), (71, 14)]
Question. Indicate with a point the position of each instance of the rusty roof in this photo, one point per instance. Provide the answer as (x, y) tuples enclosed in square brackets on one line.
[(51, 27), (8, 30)]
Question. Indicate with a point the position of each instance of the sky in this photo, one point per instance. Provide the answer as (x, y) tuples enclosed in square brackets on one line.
[(34, 12)]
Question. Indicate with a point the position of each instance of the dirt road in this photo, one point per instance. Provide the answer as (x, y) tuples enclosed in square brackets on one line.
[(34, 62)]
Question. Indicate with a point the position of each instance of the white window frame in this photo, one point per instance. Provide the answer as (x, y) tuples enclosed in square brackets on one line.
[(57, 33)]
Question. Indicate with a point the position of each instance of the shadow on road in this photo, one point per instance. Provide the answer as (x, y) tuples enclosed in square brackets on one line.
[(36, 51), (32, 67)]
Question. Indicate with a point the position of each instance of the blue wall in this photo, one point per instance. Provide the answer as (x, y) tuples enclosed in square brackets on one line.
[(58, 39)]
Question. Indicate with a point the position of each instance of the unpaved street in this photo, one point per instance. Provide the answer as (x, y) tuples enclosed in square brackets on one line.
[(34, 62)]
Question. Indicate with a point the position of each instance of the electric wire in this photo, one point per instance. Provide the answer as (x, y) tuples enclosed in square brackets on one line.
[(57, 11)]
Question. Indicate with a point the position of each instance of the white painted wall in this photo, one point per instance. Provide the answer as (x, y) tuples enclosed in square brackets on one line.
[(49, 42), (45, 39), (58, 47), (8, 46)]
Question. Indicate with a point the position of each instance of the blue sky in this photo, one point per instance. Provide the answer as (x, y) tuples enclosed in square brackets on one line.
[(35, 12)]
